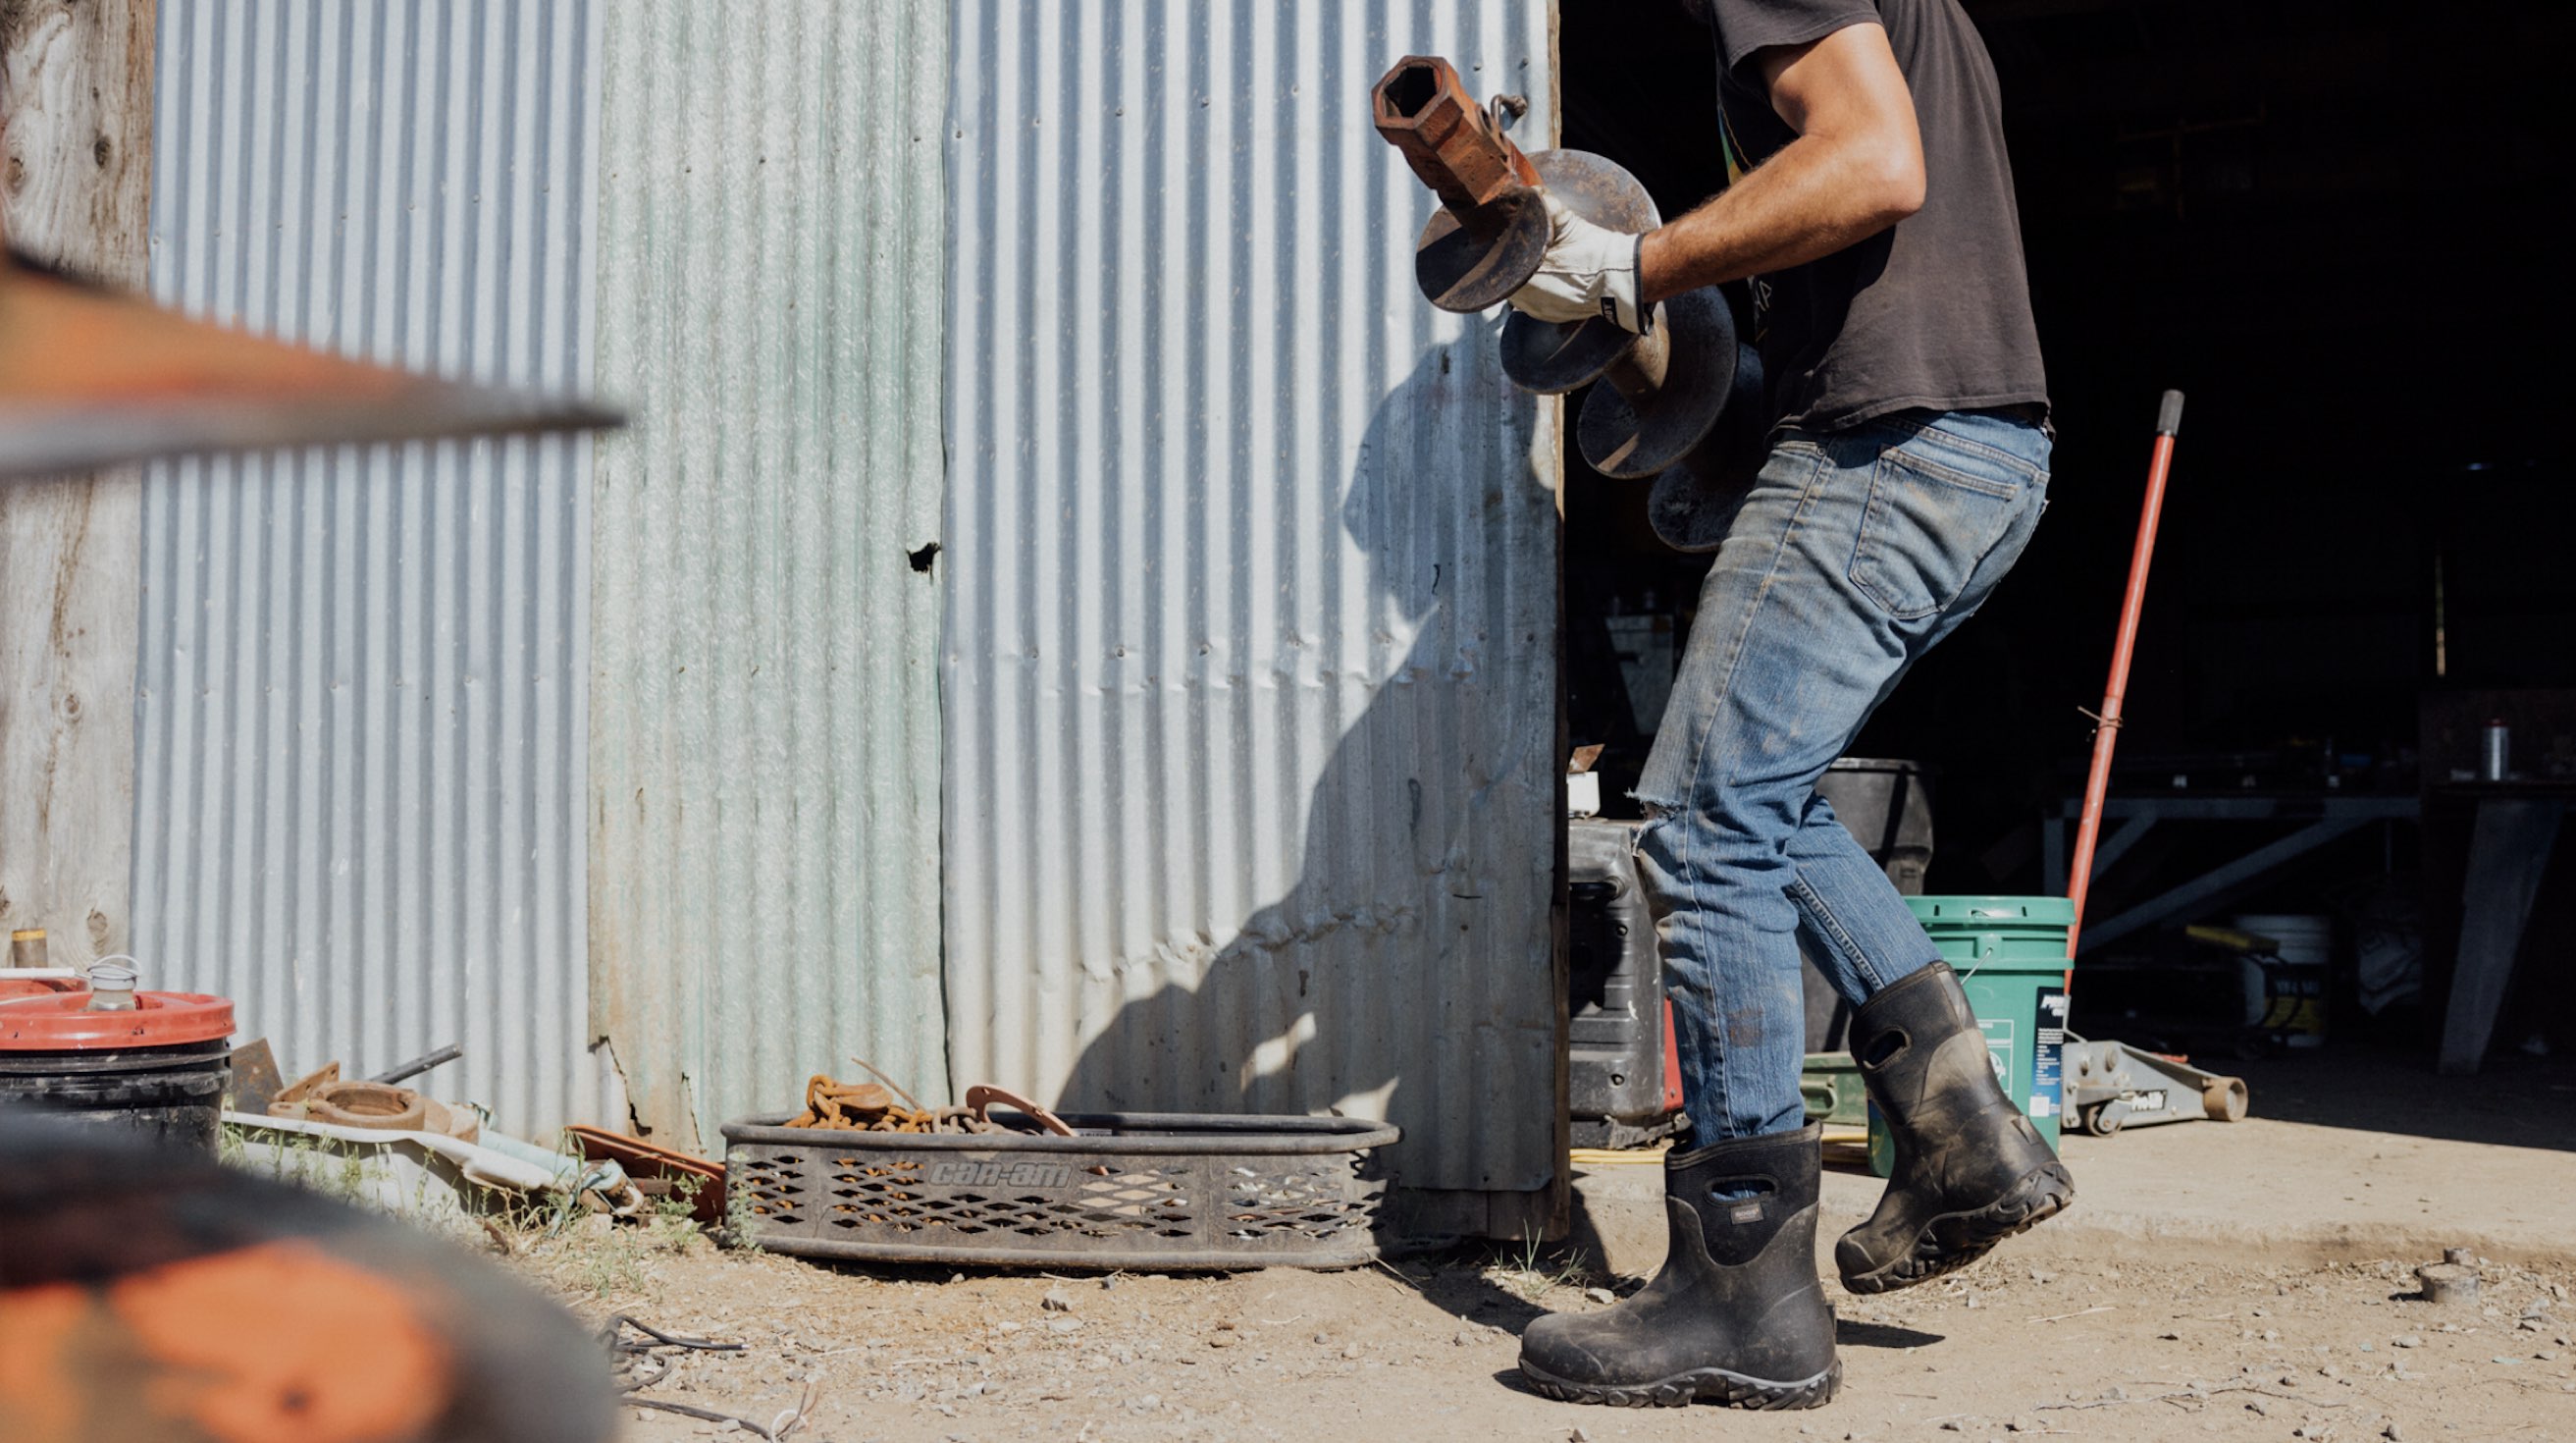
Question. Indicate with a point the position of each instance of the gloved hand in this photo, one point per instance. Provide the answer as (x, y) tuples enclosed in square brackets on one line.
[(1588, 271)]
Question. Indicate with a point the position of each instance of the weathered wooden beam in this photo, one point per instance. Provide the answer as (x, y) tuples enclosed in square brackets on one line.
[(75, 190)]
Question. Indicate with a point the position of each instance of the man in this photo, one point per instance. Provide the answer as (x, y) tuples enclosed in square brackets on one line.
[(1871, 205)]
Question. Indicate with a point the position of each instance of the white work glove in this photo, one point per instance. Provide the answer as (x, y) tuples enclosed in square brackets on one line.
[(1588, 271)]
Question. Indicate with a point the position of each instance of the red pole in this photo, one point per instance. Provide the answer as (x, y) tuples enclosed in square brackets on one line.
[(2106, 734)]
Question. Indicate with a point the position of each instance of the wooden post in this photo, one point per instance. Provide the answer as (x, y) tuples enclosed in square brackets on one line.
[(75, 191)]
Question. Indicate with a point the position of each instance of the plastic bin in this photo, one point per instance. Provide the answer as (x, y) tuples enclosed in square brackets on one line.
[(158, 1070), (2010, 954), (1128, 1190)]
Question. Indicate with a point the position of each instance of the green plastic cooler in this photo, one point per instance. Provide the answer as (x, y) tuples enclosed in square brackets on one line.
[(2010, 954)]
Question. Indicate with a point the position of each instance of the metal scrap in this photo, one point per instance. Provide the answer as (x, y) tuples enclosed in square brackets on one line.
[(871, 1107), (868, 1107)]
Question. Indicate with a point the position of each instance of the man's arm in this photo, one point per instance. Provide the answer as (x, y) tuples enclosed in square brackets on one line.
[(1855, 169)]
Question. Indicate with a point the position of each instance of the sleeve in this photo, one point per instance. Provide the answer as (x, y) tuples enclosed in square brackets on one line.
[(1745, 28)]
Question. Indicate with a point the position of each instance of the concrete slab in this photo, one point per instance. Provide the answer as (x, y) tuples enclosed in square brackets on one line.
[(2350, 1157)]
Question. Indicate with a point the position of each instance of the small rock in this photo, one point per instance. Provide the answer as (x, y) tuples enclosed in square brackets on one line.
[(1600, 1295), (2546, 1355), (2411, 1340), (1223, 1340), (1056, 1301), (1350, 1350), (1144, 1403), (2393, 1433), (1463, 1338), (1323, 1340), (1064, 1325), (1577, 1435), (2258, 1407), (1953, 1425)]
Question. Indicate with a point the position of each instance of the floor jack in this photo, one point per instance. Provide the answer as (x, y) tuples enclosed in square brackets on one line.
[(2111, 1085)]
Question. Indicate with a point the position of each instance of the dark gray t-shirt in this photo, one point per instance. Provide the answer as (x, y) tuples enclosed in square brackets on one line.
[(1934, 312)]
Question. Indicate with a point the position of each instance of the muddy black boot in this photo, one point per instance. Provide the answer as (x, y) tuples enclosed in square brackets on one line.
[(1970, 1169), (1736, 1316)]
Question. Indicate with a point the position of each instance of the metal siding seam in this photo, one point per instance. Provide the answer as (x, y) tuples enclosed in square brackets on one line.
[(357, 712), (1251, 592), (764, 824)]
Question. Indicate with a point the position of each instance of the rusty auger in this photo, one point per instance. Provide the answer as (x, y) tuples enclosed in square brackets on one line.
[(1684, 403)]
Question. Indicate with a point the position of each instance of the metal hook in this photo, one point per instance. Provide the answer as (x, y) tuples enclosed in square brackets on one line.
[(1502, 106)]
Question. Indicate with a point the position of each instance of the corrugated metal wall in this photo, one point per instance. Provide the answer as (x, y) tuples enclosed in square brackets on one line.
[(359, 710), (764, 704), (1250, 717)]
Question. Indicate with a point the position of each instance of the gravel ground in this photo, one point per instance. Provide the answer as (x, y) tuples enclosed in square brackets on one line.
[(2041, 1339)]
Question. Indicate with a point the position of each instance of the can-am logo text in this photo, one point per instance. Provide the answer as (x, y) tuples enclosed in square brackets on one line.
[(1000, 1174)]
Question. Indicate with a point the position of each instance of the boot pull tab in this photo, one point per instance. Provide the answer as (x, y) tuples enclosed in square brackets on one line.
[(1886, 1048), (1742, 1201)]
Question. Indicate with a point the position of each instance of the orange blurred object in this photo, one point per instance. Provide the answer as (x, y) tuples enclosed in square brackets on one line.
[(150, 1296), (91, 378)]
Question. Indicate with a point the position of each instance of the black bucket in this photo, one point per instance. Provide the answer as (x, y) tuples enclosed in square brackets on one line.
[(172, 1095)]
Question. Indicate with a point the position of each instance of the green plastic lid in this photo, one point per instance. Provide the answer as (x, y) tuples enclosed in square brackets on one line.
[(1993, 911)]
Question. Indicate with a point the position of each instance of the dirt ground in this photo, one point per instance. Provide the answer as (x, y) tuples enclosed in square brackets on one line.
[(2247, 1282), (2029, 1342)]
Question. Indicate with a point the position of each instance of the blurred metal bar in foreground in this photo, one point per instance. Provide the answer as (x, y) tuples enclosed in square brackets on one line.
[(92, 378)]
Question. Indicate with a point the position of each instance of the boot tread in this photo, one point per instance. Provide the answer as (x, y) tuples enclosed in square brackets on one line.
[(1954, 1240), (1715, 1385)]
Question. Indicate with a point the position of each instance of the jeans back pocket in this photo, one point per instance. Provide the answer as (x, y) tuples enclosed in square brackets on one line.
[(1934, 512)]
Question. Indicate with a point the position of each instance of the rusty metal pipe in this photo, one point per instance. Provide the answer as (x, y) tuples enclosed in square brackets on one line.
[(1491, 230), (1423, 109), (1639, 370)]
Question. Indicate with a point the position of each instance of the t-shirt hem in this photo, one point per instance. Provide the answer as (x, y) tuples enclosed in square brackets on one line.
[(1873, 410)]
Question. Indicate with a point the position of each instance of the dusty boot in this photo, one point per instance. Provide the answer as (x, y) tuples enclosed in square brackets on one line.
[(1970, 1169), (1736, 1316)]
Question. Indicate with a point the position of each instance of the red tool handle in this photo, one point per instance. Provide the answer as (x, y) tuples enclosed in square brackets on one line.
[(2106, 734)]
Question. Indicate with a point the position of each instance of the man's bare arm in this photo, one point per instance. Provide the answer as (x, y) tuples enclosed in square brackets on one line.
[(1855, 169)]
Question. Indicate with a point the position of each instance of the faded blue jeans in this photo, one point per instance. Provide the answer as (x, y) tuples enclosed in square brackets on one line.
[(1854, 552)]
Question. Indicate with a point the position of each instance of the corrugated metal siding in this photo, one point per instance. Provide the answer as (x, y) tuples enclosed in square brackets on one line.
[(359, 709), (1250, 718), (764, 705)]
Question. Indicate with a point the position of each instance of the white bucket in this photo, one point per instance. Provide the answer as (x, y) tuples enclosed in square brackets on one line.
[(2305, 941)]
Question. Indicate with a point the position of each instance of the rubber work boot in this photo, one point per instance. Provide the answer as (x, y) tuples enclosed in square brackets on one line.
[(1736, 1316), (1970, 1169)]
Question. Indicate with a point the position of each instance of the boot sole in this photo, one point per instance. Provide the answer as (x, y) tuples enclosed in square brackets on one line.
[(1715, 1385), (1954, 1240)]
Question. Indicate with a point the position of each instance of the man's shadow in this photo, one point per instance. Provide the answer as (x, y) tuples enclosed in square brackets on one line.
[(1409, 970)]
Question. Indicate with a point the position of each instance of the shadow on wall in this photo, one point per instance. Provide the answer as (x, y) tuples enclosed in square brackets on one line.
[(1408, 971)]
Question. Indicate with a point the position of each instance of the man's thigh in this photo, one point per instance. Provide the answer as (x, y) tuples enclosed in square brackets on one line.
[(1850, 555), (1784, 657)]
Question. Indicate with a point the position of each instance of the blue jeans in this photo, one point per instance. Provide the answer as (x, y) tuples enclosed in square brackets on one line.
[(1854, 552)]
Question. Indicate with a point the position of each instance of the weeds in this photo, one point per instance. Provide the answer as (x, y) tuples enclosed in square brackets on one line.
[(1529, 1272), (741, 1230)]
